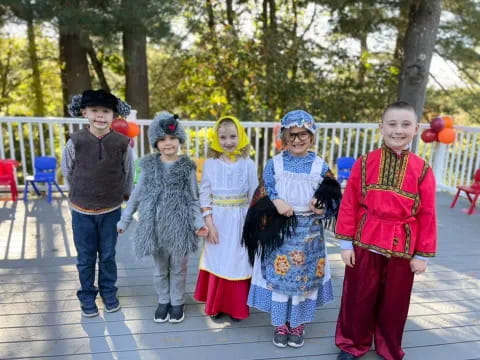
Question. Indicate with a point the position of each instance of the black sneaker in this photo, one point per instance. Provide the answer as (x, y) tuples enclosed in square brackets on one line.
[(176, 314), (161, 314), (112, 305), (89, 310), (216, 316), (280, 336), (235, 319)]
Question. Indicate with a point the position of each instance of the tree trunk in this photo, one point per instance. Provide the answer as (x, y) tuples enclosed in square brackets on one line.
[(74, 65), (37, 84), (135, 57), (417, 51), (97, 65), (362, 69), (402, 24), (230, 14)]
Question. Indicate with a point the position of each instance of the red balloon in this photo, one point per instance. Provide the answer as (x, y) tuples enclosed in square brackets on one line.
[(120, 125), (437, 124), (428, 136), (133, 129), (447, 136)]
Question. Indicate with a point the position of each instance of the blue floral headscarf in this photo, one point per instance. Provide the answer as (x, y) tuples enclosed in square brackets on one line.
[(299, 118)]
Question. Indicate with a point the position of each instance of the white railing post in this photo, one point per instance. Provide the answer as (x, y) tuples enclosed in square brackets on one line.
[(439, 164), (132, 116)]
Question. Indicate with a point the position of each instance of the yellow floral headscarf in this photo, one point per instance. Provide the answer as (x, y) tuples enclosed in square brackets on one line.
[(242, 137)]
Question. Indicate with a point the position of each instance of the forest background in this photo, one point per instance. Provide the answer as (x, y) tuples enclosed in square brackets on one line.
[(343, 60)]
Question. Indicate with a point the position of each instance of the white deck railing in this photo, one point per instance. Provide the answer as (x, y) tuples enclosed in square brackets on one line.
[(23, 139)]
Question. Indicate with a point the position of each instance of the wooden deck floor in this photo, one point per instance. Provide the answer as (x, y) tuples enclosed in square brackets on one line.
[(40, 317)]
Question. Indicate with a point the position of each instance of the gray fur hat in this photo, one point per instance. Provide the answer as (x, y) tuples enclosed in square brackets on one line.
[(163, 124)]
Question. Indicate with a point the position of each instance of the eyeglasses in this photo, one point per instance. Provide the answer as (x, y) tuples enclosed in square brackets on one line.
[(301, 135)]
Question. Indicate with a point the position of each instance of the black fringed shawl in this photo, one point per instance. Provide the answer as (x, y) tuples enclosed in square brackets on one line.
[(265, 229)]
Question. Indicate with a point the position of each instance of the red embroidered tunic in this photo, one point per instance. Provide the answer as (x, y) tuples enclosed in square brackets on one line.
[(389, 205)]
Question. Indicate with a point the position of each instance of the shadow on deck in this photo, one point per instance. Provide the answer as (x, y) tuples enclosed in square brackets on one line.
[(40, 316)]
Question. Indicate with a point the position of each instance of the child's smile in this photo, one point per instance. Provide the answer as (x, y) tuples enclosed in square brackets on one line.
[(299, 140)]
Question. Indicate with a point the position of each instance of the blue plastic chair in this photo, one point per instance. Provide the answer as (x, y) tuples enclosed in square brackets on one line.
[(45, 172), (344, 166)]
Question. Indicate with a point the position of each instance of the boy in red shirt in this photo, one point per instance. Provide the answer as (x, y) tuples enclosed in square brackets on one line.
[(387, 229)]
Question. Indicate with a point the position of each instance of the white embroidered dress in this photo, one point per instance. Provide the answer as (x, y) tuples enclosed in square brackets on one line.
[(227, 188)]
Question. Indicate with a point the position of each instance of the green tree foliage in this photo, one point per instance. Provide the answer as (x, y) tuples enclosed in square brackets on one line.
[(256, 59)]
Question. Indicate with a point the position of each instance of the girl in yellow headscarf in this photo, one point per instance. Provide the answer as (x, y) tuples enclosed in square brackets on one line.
[(228, 183)]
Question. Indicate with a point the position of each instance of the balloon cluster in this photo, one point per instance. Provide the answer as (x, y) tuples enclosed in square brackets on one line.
[(127, 128), (441, 130)]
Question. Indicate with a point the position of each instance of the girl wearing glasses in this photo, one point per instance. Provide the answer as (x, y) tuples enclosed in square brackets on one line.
[(294, 279)]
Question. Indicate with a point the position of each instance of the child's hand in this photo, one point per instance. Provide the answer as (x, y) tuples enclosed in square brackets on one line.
[(283, 207), (203, 231), (212, 237), (348, 257), (316, 211), (418, 266)]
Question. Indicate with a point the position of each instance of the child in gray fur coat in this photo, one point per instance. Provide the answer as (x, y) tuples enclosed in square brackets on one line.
[(170, 218)]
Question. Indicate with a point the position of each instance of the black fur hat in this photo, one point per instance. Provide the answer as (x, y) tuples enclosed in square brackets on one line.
[(97, 98)]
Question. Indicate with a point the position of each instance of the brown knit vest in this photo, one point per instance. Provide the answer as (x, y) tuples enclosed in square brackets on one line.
[(98, 176)]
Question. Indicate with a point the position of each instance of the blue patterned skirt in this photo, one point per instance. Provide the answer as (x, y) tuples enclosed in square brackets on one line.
[(295, 279)]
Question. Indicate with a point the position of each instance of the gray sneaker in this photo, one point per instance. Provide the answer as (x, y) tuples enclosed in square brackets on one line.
[(295, 338), (280, 336)]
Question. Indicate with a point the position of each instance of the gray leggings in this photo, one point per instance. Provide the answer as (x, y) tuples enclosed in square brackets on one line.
[(169, 277)]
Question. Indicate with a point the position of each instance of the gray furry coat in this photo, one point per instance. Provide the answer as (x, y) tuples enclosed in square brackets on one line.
[(166, 219)]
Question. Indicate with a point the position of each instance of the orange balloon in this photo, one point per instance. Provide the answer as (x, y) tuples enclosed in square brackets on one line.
[(448, 121), (133, 129), (447, 136)]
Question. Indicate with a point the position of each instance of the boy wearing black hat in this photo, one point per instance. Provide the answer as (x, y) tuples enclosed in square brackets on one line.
[(97, 163)]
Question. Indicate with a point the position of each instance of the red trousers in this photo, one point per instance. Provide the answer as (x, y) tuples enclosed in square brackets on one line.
[(375, 301)]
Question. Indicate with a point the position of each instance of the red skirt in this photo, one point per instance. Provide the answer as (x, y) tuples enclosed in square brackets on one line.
[(222, 296)]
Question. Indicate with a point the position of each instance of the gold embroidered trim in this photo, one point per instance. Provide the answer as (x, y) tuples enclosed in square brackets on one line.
[(426, 166), (424, 254), (358, 234), (408, 237), (344, 237), (392, 168), (402, 171), (364, 175), (388, 253), (382, 166), (415, 206), (401, 192)]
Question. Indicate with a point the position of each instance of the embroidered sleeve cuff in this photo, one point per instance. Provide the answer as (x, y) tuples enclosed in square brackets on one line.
[(344, 237), (424, 254)]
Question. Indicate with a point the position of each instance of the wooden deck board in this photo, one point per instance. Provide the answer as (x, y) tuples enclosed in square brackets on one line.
[(40, 318)]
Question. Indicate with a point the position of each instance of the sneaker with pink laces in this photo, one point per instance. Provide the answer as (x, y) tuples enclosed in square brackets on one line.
[(280, 336), (295, 338)]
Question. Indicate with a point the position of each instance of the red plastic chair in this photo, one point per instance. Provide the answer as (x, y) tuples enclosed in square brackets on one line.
[(472, 191), (7, 176)]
